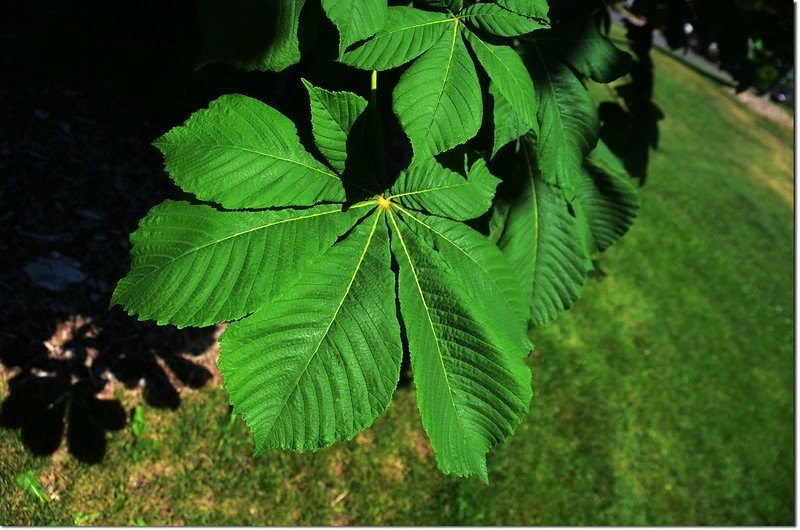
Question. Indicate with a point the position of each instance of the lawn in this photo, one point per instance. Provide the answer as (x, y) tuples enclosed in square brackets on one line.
[(665, 397)]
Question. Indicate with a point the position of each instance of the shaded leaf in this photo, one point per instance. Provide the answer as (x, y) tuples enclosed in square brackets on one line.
[(543, 243), (266, 33), (569, 126), (588, 51), (355, 19), (607, 198), (508, 127), (333, 115), (453, 6)]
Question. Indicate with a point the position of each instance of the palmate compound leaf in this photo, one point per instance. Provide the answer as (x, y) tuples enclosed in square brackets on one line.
[(316, 356), (438, 98), (355, 19), (542, 240)]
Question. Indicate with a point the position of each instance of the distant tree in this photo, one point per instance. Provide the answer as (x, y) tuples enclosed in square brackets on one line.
[(752, 39)]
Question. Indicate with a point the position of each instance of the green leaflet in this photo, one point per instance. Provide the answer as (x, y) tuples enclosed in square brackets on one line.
[(529, 8), (355, 19), (321, 362), (406, 34), (474, 259), (266, 33), (333, 115), (315, 355), (588, 51), (601, 159), (440, 191), (606, 198), (194, 265), (509, 77), (508, 127), (471, 390), (543, 242), (497, 20), (438, 99), (241, 153), (569, 126)]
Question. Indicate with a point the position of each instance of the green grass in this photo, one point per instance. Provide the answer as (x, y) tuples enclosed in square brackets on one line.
[(664, 397)]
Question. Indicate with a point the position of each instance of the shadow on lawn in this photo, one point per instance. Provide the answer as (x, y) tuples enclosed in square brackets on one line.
[(630, 127), (61, 387)]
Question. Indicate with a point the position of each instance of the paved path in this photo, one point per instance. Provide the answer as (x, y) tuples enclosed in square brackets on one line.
[(759, 104), (686, 55)]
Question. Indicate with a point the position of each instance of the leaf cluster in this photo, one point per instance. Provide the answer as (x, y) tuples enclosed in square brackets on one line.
[(330, 269)]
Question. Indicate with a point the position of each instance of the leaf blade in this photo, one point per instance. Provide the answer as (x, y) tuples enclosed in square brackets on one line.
[(569, 125), (194, 265), (241, 153), (266, 31), (470, 393), (607, 198), (529, 8), (509, 76), (355, 19), (438, 99), (484, 272), (591, 53), (496, 20), (431, 187), (406, 34), (333, 115), (542, 242), (304, 375), (507, 126)]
